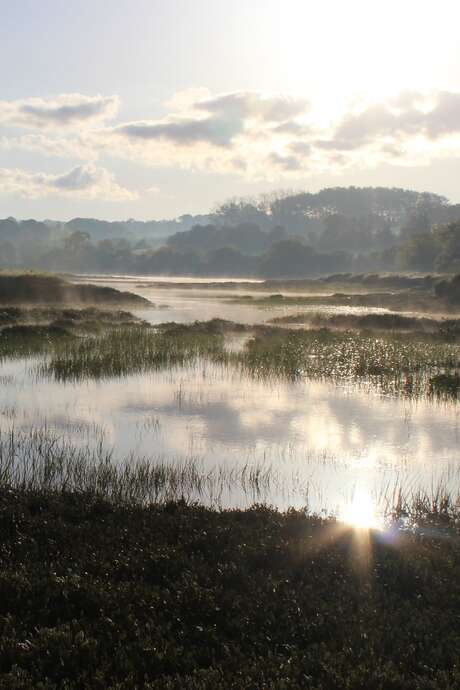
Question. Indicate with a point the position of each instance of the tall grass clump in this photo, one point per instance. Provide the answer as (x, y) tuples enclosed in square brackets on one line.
[(129, 350), (396, 364), (27, 340), (39, 460)]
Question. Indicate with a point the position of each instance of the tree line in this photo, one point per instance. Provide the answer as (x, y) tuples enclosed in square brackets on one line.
[(278, 235)]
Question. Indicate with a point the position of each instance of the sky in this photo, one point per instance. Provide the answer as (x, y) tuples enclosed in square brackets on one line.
[(149, 109)]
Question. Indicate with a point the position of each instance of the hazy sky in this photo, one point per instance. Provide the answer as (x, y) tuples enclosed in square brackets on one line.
[(153, 108)]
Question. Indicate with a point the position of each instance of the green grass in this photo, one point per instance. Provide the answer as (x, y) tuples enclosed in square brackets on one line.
[(44, 461), (110, 577)]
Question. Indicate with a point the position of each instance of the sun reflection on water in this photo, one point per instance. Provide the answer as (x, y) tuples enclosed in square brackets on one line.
[(361, 512)]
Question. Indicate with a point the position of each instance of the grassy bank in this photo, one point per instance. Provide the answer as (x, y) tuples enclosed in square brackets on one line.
[(441, 329), (346, 282), (63, 316), (37, 288), (409, 300), (32, 331), (98, 595)]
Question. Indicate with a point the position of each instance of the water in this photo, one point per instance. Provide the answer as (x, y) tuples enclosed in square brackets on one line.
[(321, 442), (172, 301), (318, 442)]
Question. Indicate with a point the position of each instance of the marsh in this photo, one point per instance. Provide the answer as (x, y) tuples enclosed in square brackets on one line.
[(319, 415)]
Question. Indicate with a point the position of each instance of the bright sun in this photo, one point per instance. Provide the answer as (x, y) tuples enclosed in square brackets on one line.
[(361, 512), (343, 50)]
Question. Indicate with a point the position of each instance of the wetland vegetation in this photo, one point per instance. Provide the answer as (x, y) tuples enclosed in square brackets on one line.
[(38, 288), (392, 361), (229, 434), (125, 568)]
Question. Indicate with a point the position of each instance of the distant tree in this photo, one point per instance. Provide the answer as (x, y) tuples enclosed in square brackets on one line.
[(77, 242), (289, 259), (9, 229), (229, 262), (245, 237), (448, 239), (418, 223), (237, 211), (8, 254), (418, 253)]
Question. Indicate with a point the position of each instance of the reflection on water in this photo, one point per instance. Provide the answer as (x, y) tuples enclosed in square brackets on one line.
[(361, 511), (332, 445), (339, 448), (185, 305)]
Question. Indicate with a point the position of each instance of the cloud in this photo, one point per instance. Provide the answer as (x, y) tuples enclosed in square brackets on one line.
[(286, 163), (229, 133), (153, 189), (300, 148), (215, 121), (67, 111), (251, 134), (83, 181), (226, 133), (410, 115), (69, 147), (291, 128), (244, 105), (217, 131)]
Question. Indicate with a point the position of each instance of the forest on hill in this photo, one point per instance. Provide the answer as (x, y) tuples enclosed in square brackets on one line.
[(274, 236)]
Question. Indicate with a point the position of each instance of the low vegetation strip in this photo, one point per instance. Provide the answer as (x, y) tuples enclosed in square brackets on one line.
[(57, 314), (37, 288), (396, 301), (44, 461), (99, 595), (131, 350), (443, 329), (395, 363)]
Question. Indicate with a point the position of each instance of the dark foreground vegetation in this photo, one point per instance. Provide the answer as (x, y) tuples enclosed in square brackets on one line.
[(98, 595)]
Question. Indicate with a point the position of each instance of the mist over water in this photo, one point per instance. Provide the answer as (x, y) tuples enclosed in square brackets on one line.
[(200, 303), (317, 442)]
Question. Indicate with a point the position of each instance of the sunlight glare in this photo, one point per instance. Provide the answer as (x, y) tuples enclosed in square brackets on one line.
[(360, 513), (358, 49)]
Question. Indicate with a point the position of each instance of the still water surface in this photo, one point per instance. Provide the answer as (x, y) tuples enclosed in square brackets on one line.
[(319, 442), (172, 301)]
